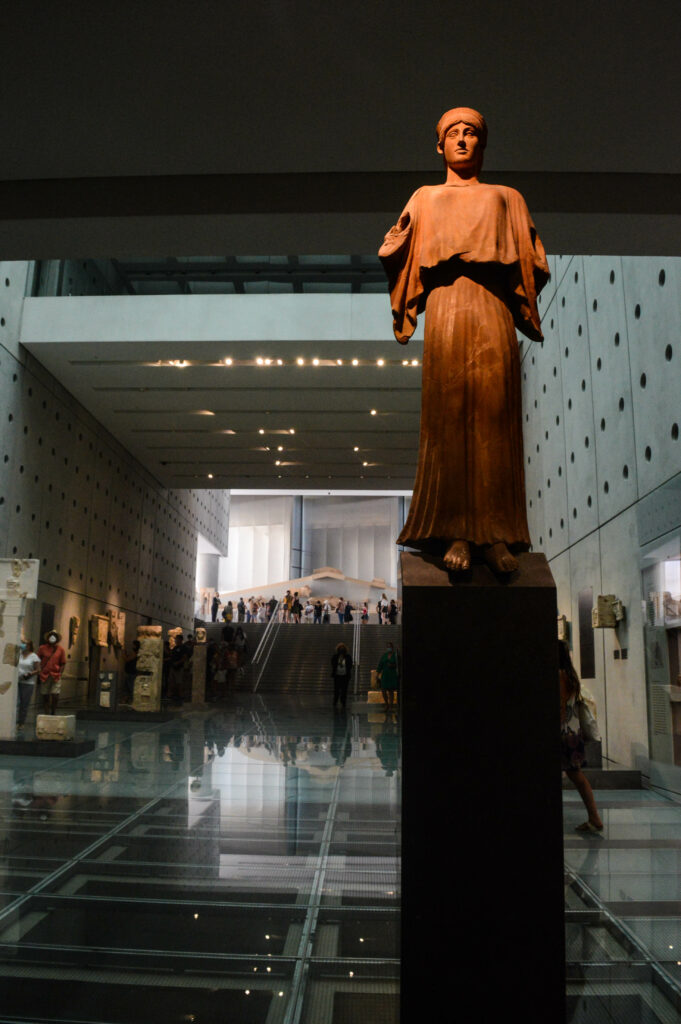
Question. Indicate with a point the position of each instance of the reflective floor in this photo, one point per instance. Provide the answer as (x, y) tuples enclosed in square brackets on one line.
[(240, 864), (623, 910), (243, 864)]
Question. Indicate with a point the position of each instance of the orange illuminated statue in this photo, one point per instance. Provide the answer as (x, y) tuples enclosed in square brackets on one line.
[(467, 253)]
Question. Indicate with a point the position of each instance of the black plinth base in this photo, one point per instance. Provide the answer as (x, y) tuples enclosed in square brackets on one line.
[(47, 748), (483, 893), (123, 715)]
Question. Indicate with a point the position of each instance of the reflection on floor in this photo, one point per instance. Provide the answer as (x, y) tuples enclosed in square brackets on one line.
[(235, 864), (242, 864), (623, 910)]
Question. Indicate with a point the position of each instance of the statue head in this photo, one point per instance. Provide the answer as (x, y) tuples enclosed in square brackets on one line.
[(462, 137)]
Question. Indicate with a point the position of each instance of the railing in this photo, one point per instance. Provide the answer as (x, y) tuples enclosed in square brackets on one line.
[(264, 648), (356, 634)]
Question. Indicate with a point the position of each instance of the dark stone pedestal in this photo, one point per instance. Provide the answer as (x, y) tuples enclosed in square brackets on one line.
[(47, 748), (482, 824)]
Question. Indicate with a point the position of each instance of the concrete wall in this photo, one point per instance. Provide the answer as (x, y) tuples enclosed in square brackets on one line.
[(601, 412), (108, 536)]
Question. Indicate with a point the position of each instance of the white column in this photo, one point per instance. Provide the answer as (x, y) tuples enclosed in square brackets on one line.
[(18, 581)]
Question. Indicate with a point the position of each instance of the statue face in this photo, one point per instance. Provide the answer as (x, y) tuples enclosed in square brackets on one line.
[(461, 147)]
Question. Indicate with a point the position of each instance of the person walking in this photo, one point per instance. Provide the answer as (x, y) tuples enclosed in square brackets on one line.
[(388, 674), (341, 670), (340, 611), (573, 757), (215, 605)]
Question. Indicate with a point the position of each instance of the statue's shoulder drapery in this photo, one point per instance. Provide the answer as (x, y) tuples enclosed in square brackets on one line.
[(479, 223)]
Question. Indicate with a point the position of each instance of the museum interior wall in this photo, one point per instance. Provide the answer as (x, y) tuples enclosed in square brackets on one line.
[(601, 411), (108, 536), (354, 534)]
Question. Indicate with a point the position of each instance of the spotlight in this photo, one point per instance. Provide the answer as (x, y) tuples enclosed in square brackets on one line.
[(355, 362), (301, 362), (228, 361), (380, 362), (373, 412)]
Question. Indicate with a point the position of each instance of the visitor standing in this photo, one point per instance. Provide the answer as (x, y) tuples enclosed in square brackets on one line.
[(52, 661), (341, 670), (29, 667), (388, 674), (215, 605)]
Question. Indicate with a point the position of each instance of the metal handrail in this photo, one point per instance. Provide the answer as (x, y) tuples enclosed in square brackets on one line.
[(356, 634), (265, 646), (265, 635)]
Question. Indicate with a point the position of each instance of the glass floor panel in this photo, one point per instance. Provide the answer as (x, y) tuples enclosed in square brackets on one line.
[(204, 869), (213, 868)]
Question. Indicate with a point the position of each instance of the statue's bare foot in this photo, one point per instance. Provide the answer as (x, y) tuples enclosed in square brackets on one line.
[(499, 558), (458, 556)]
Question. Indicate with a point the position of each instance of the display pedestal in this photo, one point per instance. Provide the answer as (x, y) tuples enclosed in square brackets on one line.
[(199, 656), (483, 894)]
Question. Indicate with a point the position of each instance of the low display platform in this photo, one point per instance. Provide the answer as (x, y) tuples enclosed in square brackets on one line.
[(47, 748), (125, 715)]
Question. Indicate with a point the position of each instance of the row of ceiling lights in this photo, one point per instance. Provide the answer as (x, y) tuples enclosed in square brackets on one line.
[(267, 361)]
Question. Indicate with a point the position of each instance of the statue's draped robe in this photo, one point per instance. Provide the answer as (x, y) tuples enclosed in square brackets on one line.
[(470, 257)]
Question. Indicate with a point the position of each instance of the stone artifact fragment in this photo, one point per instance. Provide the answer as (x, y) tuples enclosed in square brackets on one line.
[(467, 254), (55, 727), (74, 629), (147, 687)]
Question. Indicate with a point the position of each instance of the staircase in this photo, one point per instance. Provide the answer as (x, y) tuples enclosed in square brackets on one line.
[(300, 659)]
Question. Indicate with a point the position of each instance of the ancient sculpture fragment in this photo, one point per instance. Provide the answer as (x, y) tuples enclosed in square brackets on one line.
[(467, 254)]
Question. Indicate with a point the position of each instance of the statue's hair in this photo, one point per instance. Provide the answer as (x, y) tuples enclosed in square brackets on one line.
[(468, 116)]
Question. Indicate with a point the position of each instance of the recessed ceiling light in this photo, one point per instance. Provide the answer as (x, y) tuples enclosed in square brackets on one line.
[(261, 431), (315, 362), (373, 412), (355, 449), (280, 362), (405, 362), (380, 362), (259, 360), (267, 362), (204, 412), (301, 362), (365, 463), (414, 362), (340, 362), (280, 447), (291, 431), (355, 362), (278, 462), (228, 361), (210, 476)]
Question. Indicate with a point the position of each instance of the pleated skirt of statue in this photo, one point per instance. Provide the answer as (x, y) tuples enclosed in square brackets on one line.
[(470, 480)]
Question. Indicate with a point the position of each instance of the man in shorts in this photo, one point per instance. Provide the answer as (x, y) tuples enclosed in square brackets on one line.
[(52, 660)]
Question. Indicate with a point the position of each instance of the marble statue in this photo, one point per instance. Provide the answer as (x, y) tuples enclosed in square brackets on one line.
[(467, 254)]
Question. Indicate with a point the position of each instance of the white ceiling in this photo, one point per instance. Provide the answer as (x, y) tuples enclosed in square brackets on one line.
[(202, 416)]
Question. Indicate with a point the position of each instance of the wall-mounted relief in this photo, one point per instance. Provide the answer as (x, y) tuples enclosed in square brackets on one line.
[(117, 628), (74, 629), (99, 630)]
